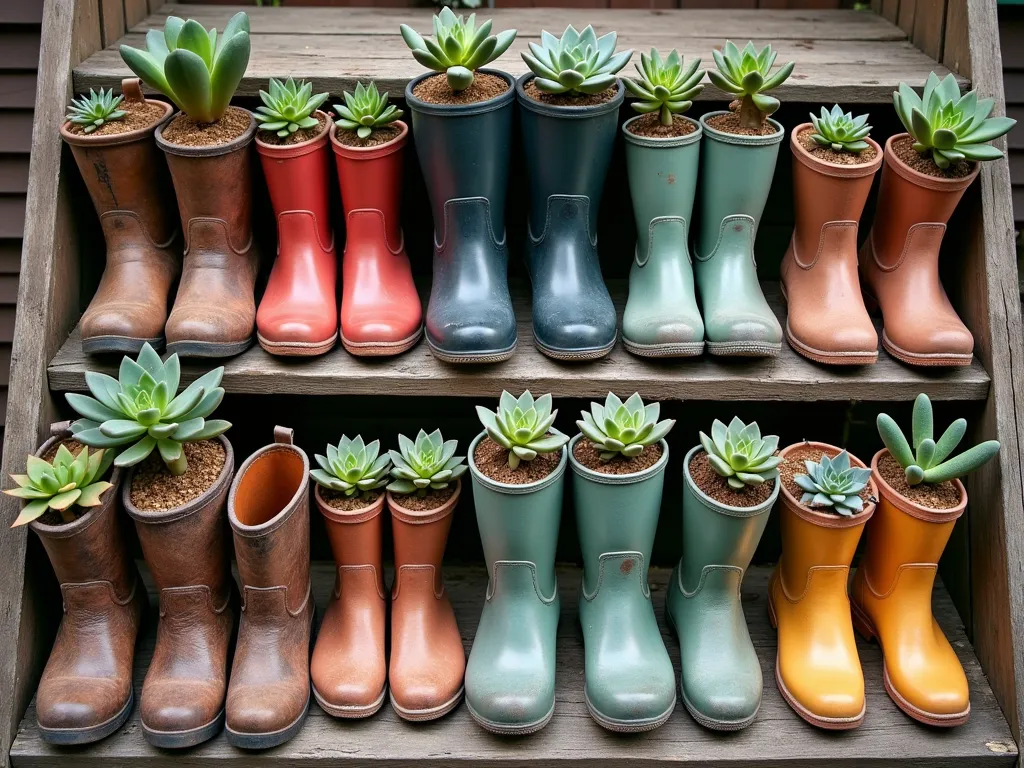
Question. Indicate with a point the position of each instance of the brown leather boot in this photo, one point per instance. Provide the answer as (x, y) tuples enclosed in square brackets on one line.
[(827, 321), (187, 552), (899, 265), (349, 670), (214, 311), (269, 512), (85, 693), (428, 661), (126, 176)]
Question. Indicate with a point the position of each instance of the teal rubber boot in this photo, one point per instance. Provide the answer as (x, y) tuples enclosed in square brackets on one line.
[(721, 678), (736, 176), (630, 683), (661, 317), (510, 676)]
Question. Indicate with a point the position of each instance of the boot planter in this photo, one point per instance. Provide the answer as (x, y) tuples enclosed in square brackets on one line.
[(827, 320), (464, 151), (298, 314), (128, 182), (817, 670)]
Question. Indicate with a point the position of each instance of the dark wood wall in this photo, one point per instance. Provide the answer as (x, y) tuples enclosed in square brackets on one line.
[(1011, 37)]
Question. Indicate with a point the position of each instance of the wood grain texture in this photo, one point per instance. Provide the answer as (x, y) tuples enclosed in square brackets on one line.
[(929, 27), (956, 50), (17, 89), (908, 9), (13, 174), (891, 10), (16, 128), (19, 48), (112, 17), (21, 12)]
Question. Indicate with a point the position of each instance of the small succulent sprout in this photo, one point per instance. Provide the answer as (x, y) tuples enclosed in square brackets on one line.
[(840, 131), (352, 467), (70, 480), (523, 426), (928, 461), (458, 47), (139, 408), (623, 427), (950, 126), (365, 110), (428, 464), (288, 106), (739, 453), (665, 87), (94, 110), (576, 62), (746, 74), (193, 67), (833, 482)]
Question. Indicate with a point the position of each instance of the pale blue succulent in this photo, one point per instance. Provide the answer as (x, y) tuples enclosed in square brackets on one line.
[(577, 62), (833, 482)]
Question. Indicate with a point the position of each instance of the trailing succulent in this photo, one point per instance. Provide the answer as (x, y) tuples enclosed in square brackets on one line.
[(458, 47), (352, 467), (746, 74), (70, 480), (523, 426), (288, 106), (139, 408), (927, 462), (833, 482), (193, 67), (665, 87), (428, 464), (840, 131), (739, 453), (365, 110), (92, 111), (576, 62), (624, 428)]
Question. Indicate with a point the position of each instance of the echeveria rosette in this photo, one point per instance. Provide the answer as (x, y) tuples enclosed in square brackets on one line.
[(840, 131), (746, 74), (833, 482), (352, 467), (427, 464), (665, 87), (576, 62), (739, 453), (288, 107), (365, 110), (624, 428), (66, 482), (523, 426), (95, 110)]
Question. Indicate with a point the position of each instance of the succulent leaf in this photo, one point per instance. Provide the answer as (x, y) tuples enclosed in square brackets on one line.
[(665, 87), (428, 463), (627, 428), (746, 74), (840, 131), (458, 47), (365, 110), (523, 426), (288, 107), (69, 480), (739, 453), (94, 110), (577, 62), (833, 482), (352, 467)]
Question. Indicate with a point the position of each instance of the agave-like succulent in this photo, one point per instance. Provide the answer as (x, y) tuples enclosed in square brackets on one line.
[(429, 463), (139, 407), (458, 47), (352, 467), (927, 462), (94, 110), (70, 480), (523, 426), (739, 453), (365, 110), (577, 62), (623, 427), (840, 130), (950, 126), (833, 482), (191, 66), (665, 87), (746, 74), (288, 106)]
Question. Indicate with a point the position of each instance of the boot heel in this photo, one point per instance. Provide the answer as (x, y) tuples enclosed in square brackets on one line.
[(862, 624)]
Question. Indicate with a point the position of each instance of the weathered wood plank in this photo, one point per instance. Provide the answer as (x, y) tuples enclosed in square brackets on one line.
[(17, 89), (929, 27), (134, 12), (16, 128), (19, 48), (112, 16), (956, 50), (13, 174), (21, 12), (12, 215)]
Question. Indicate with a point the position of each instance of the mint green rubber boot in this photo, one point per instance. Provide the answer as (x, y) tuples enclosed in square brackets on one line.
[(736, 176)]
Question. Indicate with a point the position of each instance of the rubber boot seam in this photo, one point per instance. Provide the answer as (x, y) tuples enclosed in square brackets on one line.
[(721, 235), (100, 583), (896, 580), (838, 224), (605, 556), (438, 594), (807, 582), (519, 564), (582, 200), (650, 239), (384, 225), (142, 226), (456, 201), (282, 588), (316, 229), (196, 588), (376, 579), (924, 225), (227, 236), (703, 578)]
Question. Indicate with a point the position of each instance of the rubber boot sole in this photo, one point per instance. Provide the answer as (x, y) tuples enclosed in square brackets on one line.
[(928, 360), (208, 348), (270, 738), (826, 357), (74, 736), (744, 348), (674, 349), (431, 713), (380, 348), (627, 726), (506, 729), (472, 358), (575, 355), (297, 348), (184, 739), (121, 345), (349, 711)]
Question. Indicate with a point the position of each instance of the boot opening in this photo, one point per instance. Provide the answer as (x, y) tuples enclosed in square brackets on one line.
[(268, 486)]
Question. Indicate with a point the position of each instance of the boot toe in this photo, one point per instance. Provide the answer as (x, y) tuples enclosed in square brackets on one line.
[(752, 328), (474, 338), (835, 335), (379, 328), (577, 335), (80, 703), (496, 697), (837, 695), (662, 330), (123, 321), (633, 697), (422, 695), (287, 324), (228, 326), (340, 692), (180, 706)]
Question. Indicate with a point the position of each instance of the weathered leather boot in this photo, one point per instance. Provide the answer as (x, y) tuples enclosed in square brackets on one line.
[(827, 320), (899, 264), (428, 661), (85, 693), (349, 669), (298, 314), (126, 176), (214, 310), (268, 508), (186, 549)]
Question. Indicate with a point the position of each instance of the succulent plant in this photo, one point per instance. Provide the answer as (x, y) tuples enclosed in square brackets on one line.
[(523, 426), (665, 86), (577, 62), (429, 463), (94, 110), (840, 130), (352, 467), (139, 407), (928, 462), (365, 110), (745, 73), (739, 453), (191, 66), (833, 482), (458, 47), (288, 106), (623, 428), (70, 480), (950, 126)]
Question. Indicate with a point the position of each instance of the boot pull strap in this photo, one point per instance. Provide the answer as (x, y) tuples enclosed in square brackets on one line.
[(284, 435), (59, 428), (131, 87)]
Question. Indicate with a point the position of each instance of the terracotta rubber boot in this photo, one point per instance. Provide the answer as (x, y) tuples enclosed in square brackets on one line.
[(268, 508), (428, 661), (298, 314), (899, 265), (380, 308), (85, 693), (349, 669), (186, 549), (892, 602), (127, 179), (827, 321), (214, 310), (817, 668)]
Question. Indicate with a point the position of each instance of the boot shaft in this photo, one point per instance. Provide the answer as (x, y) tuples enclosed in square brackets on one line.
[(420, 537), (371, 181), (356, 538)]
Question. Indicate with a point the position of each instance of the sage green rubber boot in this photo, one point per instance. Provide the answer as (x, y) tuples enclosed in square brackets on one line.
[(661, 317), (736, 176), (721, 676)]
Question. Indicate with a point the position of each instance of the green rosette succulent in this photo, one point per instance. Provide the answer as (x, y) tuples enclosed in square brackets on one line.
[(739, 453), (94, 110), (665, 87), (365, 110), (746, 74), (833, 482), (288, 107), (428, 464), (928, 461), (352, 467), (68, 481), (576, 62), (523, 426), (840, 131), (139, 408), (624, 428)]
